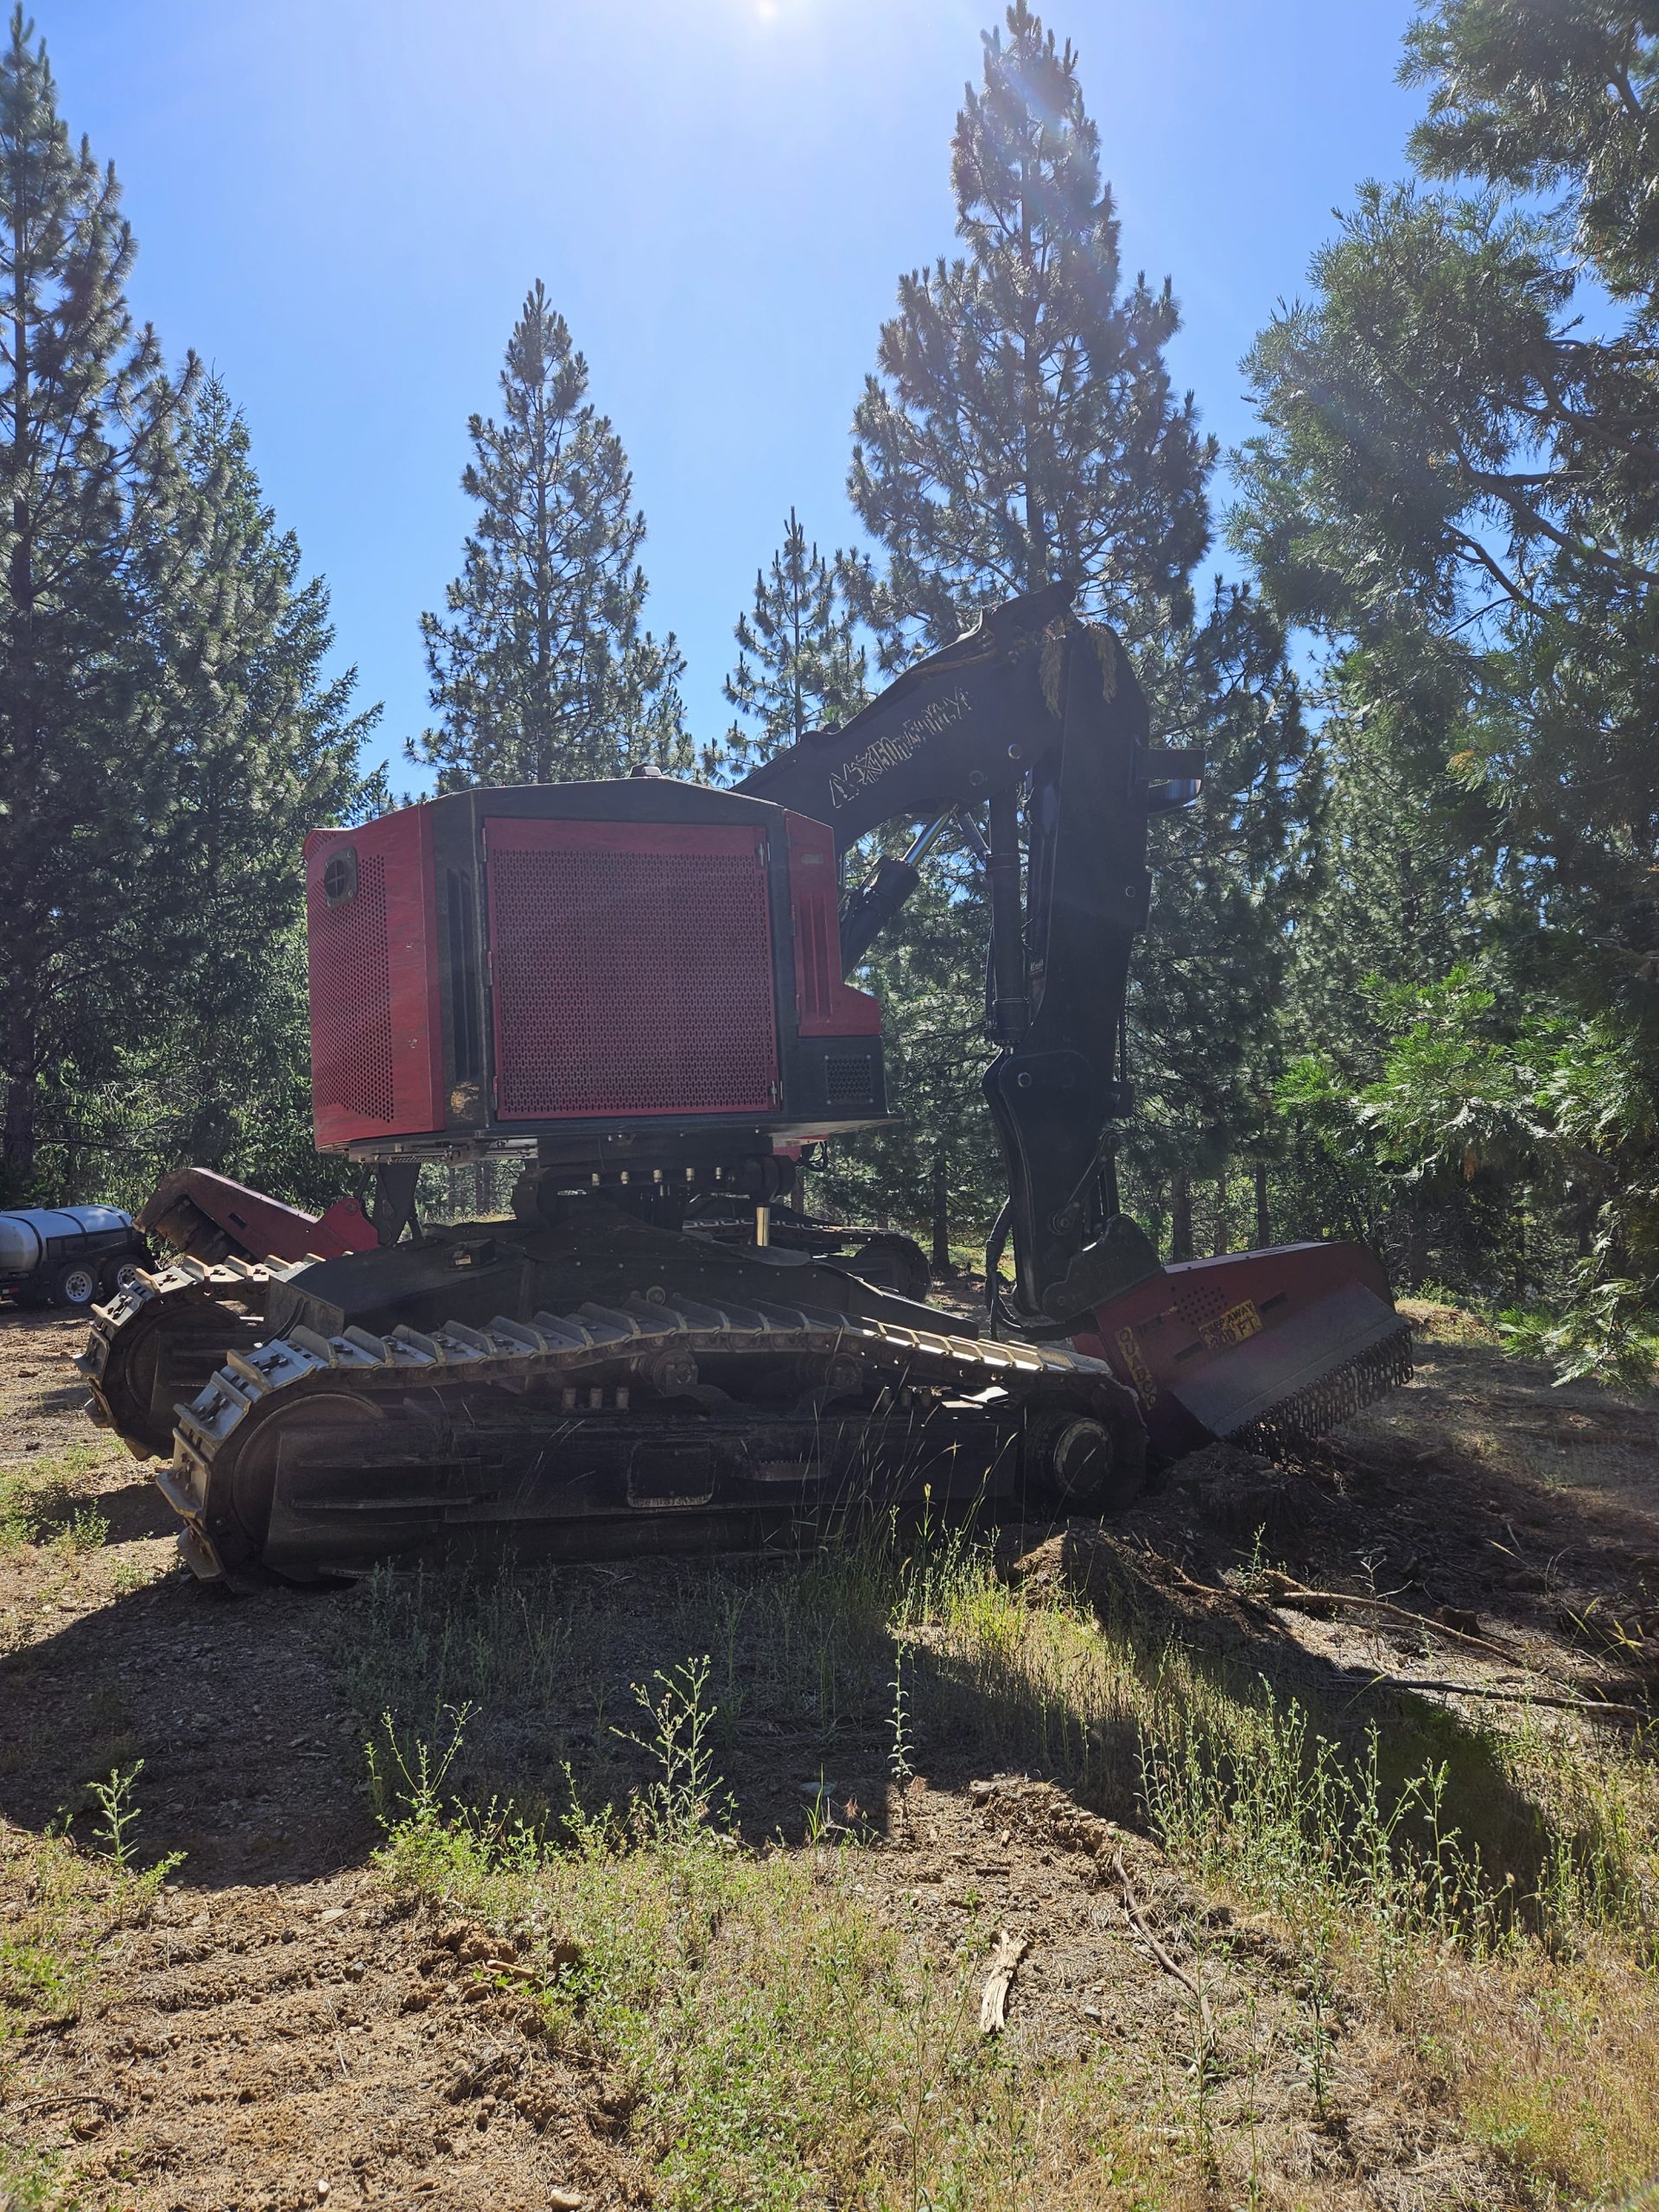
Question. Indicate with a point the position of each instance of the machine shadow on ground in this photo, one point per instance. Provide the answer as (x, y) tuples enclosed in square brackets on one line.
[(821, 1680)]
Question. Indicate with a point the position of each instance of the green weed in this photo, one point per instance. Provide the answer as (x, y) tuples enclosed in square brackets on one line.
[(118, 1809), (688, 1801), (67, 1903), (31, 2181), (784, 2047), (41, 1503)]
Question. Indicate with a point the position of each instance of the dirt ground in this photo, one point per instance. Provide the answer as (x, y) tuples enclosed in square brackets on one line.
[(275, 2029)]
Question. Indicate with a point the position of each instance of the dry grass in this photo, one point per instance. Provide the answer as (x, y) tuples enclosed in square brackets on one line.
[(1555, 2062), (65, 1906), (1440, 1321), (1428, 1947), (1488, 1898)]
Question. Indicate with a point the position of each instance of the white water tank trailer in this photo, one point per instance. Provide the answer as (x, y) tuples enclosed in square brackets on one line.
[(69, 1255)]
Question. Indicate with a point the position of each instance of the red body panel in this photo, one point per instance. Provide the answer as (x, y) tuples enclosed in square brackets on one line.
[(632, 968), (374, 984), (345, 1227), (257, 1227), (824, 1006)]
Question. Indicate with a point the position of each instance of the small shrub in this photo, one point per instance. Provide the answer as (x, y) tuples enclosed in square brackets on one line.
[(688, 1801), (1604, 1334)]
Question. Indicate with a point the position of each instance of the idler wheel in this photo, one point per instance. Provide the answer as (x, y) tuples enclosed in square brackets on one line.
[(315, 1429), (1080, 1464)]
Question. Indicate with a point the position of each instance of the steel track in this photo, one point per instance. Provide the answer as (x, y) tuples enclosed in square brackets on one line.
[(816, 1390)]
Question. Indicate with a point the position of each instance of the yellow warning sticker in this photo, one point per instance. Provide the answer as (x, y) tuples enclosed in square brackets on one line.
[(1135, 1360), (1234, 1326)]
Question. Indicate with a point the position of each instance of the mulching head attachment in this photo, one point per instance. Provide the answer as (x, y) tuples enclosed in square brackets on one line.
[(1270, 1349)]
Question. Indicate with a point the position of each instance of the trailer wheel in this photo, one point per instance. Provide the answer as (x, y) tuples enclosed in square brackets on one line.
[(119, 1277), (74, 1284)]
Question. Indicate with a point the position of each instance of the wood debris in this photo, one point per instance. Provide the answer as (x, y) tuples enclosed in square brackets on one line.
[(993, 2000), (1176, 1973)]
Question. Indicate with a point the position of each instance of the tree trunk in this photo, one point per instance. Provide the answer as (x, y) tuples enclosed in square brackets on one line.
[(1155, 1199), (1180, 1215), (1263, 1215), (1415, 1241), (941, 1220), (21, 1091), (1223, 1237)]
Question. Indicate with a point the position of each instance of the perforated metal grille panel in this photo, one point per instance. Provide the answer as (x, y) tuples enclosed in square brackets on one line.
[(1198, 1303), (848, 1079), (631, 966), (351, 997)]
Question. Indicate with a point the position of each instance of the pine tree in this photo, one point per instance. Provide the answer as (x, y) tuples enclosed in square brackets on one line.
[(1456, 484), (1232, 876), (1023, 429), (542, 672), (800, 665), (96, 547), (1550, 99), (269, 750)]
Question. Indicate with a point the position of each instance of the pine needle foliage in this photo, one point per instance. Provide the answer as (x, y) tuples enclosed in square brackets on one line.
[(168, 730), (800, 665), (219, 1077), (1021, 427), (97, 537), (542, 671), (1455, 485)]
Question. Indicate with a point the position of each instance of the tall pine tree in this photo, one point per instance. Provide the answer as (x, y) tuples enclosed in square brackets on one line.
[(800, 665), (542, 671), (1457, 484), (267, 750), (98, 610), (1022, 429)]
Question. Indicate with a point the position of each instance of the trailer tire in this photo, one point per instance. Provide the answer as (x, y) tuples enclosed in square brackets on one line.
[(75, 1284), (119, 1275)]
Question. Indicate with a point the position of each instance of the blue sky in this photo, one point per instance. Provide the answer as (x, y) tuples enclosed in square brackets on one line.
[(340, 203)]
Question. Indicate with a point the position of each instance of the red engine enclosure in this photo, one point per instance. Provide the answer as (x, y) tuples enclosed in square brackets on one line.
[(571, 960), (374, 982)]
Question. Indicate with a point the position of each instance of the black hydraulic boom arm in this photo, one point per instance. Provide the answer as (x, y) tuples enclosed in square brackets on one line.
[(1033, 704)]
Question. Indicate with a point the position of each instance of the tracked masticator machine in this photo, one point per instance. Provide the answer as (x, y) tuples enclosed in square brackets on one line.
[(639, 992)]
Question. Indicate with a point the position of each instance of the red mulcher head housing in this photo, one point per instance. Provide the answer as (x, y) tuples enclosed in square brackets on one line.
[(1271, 1347)]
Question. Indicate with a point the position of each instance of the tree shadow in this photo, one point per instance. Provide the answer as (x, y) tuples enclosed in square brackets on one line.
[(1192, 1645), (229, 1705)]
